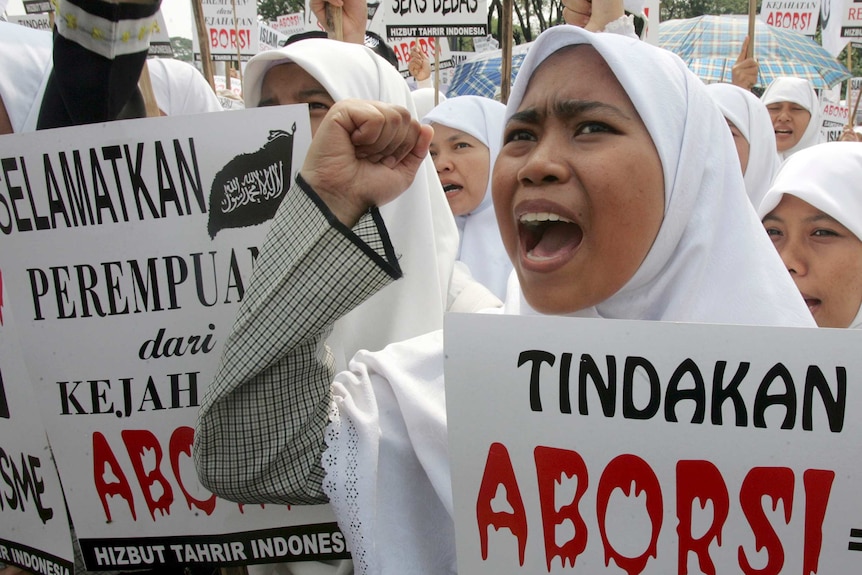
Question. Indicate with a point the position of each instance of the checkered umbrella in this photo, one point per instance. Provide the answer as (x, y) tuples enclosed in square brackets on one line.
[(711, 44), (481, 75)]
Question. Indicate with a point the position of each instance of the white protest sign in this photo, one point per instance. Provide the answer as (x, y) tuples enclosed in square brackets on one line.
[(798, 15), (289, 24), (853, 95), (429, 18), (35, 21), (270, 38), (224, 32), (834, 118), (402, 47), (851, 20), (607, 446), (34, 528), (127, 249)]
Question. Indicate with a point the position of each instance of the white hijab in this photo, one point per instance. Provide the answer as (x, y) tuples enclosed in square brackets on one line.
[(25, 63), (481, 246), (387, 458), (419, 222), (751, 118), (711, 261), (829, 177), (798, 91), (180, 89)]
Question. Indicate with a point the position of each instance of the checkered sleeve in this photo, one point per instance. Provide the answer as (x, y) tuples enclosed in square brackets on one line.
[(260, 431)]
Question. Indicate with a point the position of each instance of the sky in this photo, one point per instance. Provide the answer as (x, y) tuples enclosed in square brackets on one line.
[(177, 13)]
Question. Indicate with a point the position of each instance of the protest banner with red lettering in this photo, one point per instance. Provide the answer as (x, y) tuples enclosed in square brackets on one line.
[(798, 15), (34, 529), (607, 446), (834, 118), (227, 36), (402, 47), (289, 24), (127, 248)]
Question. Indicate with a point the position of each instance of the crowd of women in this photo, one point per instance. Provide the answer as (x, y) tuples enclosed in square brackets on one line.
[(612, 184)]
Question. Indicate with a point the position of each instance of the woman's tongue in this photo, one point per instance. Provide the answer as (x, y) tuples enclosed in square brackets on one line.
[(554, 239)]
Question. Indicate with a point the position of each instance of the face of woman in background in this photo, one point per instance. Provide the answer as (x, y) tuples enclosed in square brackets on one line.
[(823, 257), (463, 166), (290, 84), (743, 149), (789, 121), (578, 185)]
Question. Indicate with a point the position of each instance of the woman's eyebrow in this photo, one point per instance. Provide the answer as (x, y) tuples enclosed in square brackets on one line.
[(567, 109)]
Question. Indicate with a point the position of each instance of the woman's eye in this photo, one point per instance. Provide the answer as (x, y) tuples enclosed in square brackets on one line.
[(592, 128), (821, 233), (318, 106), (773, 232), (519, 136), (462, 145)]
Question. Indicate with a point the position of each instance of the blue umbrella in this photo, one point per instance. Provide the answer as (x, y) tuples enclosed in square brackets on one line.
[(481, 75), (711, 44)]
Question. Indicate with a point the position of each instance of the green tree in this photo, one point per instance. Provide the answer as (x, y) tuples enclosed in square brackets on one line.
[(270, 10)]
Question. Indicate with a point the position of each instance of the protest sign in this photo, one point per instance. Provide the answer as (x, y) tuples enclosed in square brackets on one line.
[(35, 21), (798, 15), (834, 118), (269, 38), (127, 248), (851, 24), (402, 47), (290, 24), (37, 6), (429, 18), (609, 446), (228, 37), (34, 529)]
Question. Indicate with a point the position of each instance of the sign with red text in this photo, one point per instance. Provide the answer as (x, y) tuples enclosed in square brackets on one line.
[(402, 47), (34, 529), (290, 24), (126, 249), (228, 36), (798, 15), (430, 18), (851, 24), (834, 118), (623, 447)]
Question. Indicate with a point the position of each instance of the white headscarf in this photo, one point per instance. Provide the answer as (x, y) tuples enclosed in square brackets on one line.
[(829, 177), (180, 89), (419, 222), (798, 91), (711, 261), (751, 118), (25, 63), (481, 247), (423, 99)]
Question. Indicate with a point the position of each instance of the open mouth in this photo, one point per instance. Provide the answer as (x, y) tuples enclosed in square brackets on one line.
[(546, 236), (452, 188), (813, 303)]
